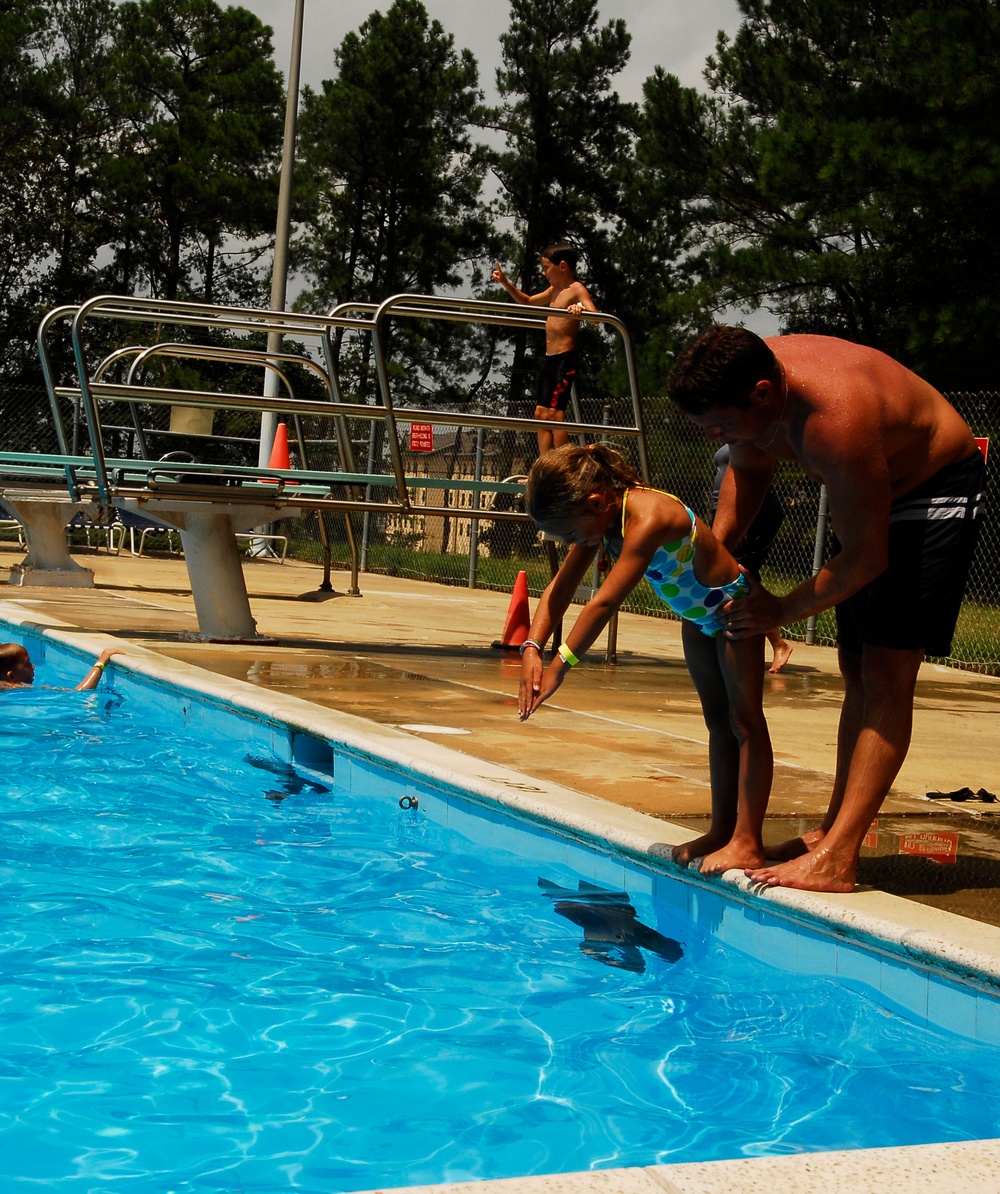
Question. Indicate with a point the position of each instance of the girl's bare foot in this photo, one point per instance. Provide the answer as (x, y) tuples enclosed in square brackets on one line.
[(733, 857), (706, 844), (782, 651)]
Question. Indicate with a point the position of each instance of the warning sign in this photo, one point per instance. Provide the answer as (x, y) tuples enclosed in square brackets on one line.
[(938, 847), (421, 437)]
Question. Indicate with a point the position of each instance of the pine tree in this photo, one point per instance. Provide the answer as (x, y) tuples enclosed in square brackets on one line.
[(390, 186), (854, 173), (197, 163)]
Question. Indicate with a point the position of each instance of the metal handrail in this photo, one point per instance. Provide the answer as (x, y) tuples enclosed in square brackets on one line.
[(92, 389), (489, 311)]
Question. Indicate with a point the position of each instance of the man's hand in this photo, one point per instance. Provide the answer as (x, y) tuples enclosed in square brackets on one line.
[(756, 613)]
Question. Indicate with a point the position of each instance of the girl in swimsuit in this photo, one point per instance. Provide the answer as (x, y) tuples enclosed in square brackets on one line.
[(593, 499)]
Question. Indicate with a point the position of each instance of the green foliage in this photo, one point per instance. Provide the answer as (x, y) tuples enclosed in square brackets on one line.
[(197, 154), (390, 192), (852, 169), (656, 287), (136, 141)]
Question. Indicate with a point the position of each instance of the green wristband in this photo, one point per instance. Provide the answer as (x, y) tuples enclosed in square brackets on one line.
[(567, 656)]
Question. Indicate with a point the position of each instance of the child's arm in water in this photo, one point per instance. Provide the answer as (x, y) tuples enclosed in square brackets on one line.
[(92, 678)]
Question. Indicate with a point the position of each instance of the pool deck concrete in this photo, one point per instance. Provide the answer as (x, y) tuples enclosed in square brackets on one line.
[(411, 653), (416, 658)]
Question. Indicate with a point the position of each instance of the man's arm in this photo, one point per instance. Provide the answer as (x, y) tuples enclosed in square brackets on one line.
[(742, 493), (849, 461)]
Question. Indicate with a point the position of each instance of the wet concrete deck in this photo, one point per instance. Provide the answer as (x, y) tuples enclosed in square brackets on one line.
[(413, 654)]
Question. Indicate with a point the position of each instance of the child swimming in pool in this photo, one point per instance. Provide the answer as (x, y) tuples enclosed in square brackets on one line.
[(17, 670), (593, 499)]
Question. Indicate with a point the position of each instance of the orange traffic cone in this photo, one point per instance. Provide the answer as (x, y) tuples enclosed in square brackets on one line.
[(279, 453), (515, 629), (279, 449)]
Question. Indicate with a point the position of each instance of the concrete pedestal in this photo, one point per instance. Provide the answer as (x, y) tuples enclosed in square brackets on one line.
[(208, 535), (44, 516)]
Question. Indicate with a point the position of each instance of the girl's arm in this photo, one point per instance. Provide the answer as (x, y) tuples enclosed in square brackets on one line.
[(552, 605), (643, 536), (91, 679)]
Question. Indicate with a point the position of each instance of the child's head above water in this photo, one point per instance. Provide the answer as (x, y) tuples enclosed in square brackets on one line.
[(561, 482), (15, 665)]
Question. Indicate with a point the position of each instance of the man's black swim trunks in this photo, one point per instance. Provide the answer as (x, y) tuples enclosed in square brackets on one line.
[(915, 602)]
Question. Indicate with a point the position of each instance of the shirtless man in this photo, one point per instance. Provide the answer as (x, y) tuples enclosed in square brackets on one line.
[(563, 290), (905, 482)]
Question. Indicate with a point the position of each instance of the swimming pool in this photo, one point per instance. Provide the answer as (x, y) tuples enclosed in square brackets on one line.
[(245, 978)]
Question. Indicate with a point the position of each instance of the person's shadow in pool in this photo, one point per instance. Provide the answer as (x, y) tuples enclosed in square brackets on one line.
[(612, 932), (291, 782)]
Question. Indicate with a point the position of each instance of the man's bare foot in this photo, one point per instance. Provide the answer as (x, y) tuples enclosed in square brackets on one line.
[(795, 847), (782, 651), (819, 870), (706, 844), (733, 857)]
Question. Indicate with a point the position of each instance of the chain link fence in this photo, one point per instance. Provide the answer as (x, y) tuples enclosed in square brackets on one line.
[(452, 549)]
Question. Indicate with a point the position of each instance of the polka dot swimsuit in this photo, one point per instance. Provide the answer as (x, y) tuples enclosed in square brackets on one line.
[(671, 577)]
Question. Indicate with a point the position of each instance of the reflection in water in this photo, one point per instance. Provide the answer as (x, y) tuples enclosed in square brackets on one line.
[(291, 782), (612, 933)]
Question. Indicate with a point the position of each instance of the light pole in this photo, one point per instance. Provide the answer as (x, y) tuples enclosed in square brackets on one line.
[(279, 274)]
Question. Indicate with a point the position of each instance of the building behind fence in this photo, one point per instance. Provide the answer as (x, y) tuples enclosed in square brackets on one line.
[(439, 548)]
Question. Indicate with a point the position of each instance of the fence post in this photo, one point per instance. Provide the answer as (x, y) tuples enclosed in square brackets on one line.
[(366, 521), (611, 654), (474, 532), (819, 549)]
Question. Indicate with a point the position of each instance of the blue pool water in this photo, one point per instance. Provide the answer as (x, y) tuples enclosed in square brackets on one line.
[(221, 972)]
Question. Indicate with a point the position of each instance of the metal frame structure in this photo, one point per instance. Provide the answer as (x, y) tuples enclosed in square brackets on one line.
[(185, 494)]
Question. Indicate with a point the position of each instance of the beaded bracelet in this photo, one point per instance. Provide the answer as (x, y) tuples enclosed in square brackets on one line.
[(567, 656), (530, 642)]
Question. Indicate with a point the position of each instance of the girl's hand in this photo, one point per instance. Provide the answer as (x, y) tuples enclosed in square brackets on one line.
[(547, 686), (532, 666), (108, 652)]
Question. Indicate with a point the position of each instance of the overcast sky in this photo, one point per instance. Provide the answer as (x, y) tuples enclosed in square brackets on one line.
[(675, 34)]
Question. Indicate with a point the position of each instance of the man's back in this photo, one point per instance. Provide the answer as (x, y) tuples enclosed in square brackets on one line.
[(849, 400)]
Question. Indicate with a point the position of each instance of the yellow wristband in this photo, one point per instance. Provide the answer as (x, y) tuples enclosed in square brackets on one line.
[(100, 666), (567, 656)]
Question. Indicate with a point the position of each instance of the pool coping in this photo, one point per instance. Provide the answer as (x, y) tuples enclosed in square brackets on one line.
[(965, 950)]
